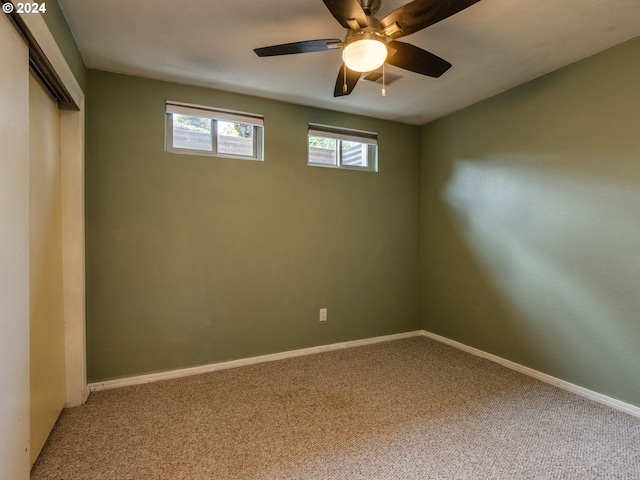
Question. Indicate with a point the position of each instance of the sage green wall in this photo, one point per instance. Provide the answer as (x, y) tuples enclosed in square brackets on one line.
[(59, 28), (193, 260), (531, 224)]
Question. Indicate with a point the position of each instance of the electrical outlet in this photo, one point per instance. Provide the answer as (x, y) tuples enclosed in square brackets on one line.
[(323, 314)]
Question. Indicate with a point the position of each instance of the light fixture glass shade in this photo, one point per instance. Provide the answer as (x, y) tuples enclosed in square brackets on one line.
[(364, 55)]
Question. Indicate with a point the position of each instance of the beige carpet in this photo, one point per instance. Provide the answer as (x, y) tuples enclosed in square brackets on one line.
[(409, 409)]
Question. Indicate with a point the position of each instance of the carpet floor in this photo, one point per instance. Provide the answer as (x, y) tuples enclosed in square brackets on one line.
[(407, 409)]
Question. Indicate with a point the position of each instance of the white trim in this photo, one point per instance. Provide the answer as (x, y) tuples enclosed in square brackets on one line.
[(156, 377), (543, 377), (72, 132), (73, 253)]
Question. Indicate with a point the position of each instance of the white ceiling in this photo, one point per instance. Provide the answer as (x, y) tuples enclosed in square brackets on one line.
[(493, 45)]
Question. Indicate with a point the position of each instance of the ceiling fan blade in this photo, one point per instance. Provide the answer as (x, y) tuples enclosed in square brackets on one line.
[(346, 12), (352, 79), (415, 59), (416, 15), (299, 47)]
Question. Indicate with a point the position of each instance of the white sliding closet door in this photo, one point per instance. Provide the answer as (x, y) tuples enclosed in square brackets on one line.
[(14, 254), (45, 249)]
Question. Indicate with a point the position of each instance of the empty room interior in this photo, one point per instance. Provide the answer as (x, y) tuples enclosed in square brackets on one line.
[(229, 252)]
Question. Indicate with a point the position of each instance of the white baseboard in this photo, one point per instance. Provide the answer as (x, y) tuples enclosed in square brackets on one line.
[(156, 377), (584, 392)]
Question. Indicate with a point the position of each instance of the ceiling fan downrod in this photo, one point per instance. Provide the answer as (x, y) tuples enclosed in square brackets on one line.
[(370, 7)]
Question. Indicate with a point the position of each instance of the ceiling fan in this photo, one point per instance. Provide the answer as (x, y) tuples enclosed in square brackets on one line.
[(370, 42)]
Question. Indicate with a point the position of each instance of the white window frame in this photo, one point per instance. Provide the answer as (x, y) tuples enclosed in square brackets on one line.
[(215, 115), (370, 139)]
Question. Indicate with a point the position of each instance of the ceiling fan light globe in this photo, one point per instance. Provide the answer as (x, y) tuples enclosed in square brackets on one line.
[(364, 55)]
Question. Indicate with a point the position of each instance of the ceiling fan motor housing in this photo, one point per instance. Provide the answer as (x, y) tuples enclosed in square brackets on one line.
[(364, 35), (372, 31)]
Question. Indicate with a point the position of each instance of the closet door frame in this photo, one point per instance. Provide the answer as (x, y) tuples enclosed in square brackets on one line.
[(72, 127)]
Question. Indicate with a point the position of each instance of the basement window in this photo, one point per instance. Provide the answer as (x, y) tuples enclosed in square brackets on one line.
[(336, 147), (198, 130)]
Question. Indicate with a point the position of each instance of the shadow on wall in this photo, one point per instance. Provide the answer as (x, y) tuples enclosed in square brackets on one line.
[(561, 246), (531, 210)]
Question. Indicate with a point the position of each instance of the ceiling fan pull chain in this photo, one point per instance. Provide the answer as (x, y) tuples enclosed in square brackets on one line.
[(384, 90), (344, 76)]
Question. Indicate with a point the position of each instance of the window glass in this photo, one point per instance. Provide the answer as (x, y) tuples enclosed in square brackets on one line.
[(192, 132), (235, 138), (354, 154), (322, 150)]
